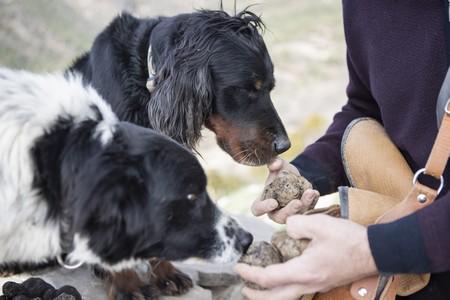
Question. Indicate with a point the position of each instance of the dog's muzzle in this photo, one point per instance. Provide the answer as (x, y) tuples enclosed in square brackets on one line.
[(232, 240)]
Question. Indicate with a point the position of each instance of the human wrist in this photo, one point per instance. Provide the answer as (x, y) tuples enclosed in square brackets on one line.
[(368, 266)]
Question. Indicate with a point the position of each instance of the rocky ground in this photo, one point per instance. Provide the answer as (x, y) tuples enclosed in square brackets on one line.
[(218, 281)]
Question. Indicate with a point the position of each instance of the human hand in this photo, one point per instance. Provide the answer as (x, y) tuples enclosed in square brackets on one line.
[(269, 206), (339, 253)]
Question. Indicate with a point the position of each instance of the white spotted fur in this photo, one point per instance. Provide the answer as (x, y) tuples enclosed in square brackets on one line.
[(227, 253), (82, 253)]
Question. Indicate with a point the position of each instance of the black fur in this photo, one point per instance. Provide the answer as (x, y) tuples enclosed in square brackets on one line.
[(130, 196), (47, 155), (211, 69), (82, 185)]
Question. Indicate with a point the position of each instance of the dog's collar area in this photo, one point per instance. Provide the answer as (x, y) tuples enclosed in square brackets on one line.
[(151, 71), (63, 262), (67, 236)]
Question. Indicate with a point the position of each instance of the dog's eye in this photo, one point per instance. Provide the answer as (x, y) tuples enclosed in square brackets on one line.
[(192, 197), (258, 85)]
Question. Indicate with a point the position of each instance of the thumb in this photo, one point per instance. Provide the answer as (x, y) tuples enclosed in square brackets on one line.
[(300, 226), (275, 165), (261, 207)]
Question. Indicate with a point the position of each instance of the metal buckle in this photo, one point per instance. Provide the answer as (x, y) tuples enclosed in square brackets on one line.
[(422, 171), (62, 262), (447, 110)]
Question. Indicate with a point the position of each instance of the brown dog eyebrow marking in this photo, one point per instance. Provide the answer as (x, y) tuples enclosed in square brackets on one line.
[(258, 85)]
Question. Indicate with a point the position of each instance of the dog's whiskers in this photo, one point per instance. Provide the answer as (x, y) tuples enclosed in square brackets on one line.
[(236, 155), (258, 160), (246, 157)]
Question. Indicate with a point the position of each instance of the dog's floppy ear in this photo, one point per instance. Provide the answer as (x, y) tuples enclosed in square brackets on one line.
[(108, 198), (182, 98)]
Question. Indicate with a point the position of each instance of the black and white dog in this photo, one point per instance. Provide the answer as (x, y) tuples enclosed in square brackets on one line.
[(78, 185)]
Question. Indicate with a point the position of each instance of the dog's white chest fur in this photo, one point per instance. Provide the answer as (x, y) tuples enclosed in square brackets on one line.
[(25, 234), (29, 106)]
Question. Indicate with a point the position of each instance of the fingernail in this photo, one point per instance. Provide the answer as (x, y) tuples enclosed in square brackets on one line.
[(272, 206), (298, 206), (311, 194), (315, 195)]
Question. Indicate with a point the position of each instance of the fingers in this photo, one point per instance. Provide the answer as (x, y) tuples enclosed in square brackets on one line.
[(308, 197), (260, 208), (279, 164), (281, 215), (312, 226), (280, 293), (271, 276), (294, 207), (275, 165)]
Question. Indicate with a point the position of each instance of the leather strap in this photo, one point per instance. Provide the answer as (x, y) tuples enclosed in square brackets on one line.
[(420, 196), (441, 150), (371, 288), (410, 204), (444, 93)]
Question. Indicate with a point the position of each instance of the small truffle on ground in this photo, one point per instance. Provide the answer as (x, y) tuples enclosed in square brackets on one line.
[(287, 246), (36, 288), (260, 254), (286, 187)]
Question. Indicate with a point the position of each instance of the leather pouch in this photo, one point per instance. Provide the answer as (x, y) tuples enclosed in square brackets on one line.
[(380, 179)]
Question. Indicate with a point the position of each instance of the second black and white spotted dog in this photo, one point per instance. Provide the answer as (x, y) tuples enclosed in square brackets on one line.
[(79, 186)]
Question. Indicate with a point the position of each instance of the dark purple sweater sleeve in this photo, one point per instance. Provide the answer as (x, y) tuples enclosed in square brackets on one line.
[(418, 243), (434, 222), (320, 162), (397, 60)]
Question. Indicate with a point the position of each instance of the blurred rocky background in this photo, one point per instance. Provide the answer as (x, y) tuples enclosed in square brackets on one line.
[(305, 39)]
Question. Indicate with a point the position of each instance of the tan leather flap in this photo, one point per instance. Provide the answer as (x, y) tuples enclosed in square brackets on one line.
[(372, 162), (364, 207)]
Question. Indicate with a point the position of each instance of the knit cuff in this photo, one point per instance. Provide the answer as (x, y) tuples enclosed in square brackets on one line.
[(398, 247)]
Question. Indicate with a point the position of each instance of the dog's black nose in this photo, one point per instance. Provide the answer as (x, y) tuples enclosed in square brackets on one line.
[(245, 239), (281, 144)]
